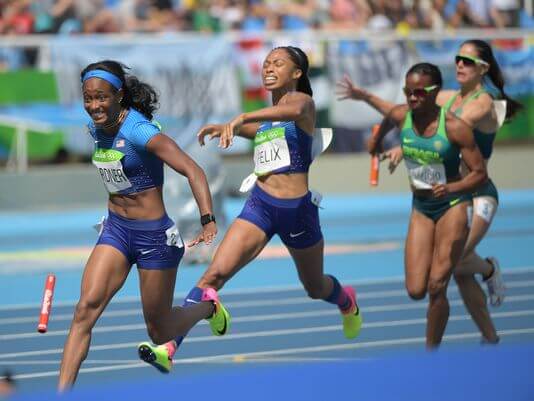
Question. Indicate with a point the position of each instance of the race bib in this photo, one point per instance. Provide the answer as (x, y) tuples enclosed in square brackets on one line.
[(99, 227), (316, 198), (173, 237), (485, 208), (271, 151), (108, 163), (426, 175), (321, 140)]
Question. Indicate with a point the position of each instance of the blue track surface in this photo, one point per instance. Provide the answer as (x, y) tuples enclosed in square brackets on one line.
[(278, 336)]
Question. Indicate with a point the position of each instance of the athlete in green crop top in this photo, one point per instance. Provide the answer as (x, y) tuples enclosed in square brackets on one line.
[(474, 62), (432, 142), (475, 106)]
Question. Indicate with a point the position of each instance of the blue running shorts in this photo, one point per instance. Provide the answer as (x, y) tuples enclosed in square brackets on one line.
[(295, 220), (151, 244)]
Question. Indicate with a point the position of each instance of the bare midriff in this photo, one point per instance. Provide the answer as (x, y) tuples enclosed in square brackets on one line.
[(146, 205), (285, 186)]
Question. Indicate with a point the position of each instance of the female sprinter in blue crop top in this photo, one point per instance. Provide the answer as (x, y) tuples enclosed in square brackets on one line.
[(280, 202), (129, 154)]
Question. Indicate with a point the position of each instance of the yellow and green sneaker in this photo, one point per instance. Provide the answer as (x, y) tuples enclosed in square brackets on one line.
[(220, 320), (158, 356), (352, 320)]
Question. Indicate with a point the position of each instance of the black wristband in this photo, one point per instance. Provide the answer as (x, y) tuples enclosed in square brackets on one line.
[(207, 218)]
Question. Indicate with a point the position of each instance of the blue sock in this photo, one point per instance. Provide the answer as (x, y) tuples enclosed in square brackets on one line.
[(338, 296), (194, 297)]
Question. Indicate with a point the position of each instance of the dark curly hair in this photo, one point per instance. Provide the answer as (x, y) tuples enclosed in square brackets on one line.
[(137, 95)]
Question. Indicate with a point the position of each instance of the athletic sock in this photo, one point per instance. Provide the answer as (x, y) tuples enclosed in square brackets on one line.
[(194, 297), (340, 297), (171, 347)]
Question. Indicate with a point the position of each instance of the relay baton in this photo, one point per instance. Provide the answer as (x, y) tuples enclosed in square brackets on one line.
[(375, 160), (46, 305)]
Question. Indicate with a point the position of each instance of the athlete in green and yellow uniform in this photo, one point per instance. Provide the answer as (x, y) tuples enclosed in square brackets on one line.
[(431, 160), (433, 141), (475, 63)]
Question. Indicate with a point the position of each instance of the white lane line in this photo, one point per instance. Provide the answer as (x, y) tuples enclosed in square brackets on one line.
[(57, 362), (244, 304), (273, 333), (256, 317), (286, 351), (256, 290), (237, 359)]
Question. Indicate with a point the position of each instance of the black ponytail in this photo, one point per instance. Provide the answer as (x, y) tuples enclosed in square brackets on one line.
[(301, 61), (495, 75), (137, 95)]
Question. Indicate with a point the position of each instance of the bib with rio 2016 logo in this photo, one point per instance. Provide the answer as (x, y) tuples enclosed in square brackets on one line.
[(271, 151), (108, 163), (424, 176)]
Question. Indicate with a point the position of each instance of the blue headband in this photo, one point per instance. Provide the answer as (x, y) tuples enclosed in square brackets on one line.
[(106, 76)]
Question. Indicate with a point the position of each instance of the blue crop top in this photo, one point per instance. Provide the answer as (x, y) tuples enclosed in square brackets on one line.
[(299, 145), (124, 164)]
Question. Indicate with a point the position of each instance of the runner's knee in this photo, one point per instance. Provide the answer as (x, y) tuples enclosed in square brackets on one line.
[(436, 287), (86, 312), (416, 291)]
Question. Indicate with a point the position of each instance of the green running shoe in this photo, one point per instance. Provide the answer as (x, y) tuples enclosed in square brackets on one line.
[(156, 355), (220, 320), (352, 321)]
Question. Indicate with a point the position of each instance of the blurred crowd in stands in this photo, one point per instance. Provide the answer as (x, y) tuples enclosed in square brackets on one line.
[(20, 17)]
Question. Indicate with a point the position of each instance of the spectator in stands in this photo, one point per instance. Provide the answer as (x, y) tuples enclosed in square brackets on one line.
[(378, 18), (228, 13), (63, 16), (258, 17), (17, 17), (294, 15), (348, 14), (505, 13), (202, 19), (435, 17), (95, 16), (471, 13), (395, 11), (110, 16)]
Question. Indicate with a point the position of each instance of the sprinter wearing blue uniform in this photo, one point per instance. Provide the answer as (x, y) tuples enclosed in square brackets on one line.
[(280, 202), (129, 153)]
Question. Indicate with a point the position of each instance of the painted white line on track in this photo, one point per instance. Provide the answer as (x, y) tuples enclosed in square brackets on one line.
[(238, 358), (286, 351), (273, 333), (256, 290), (243, 304), (256, 317)]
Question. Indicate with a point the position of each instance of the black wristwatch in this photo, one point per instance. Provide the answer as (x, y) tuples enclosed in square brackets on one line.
[(207, 218)]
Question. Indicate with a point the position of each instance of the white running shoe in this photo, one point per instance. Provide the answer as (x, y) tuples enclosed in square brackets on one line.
[(495, 283)]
